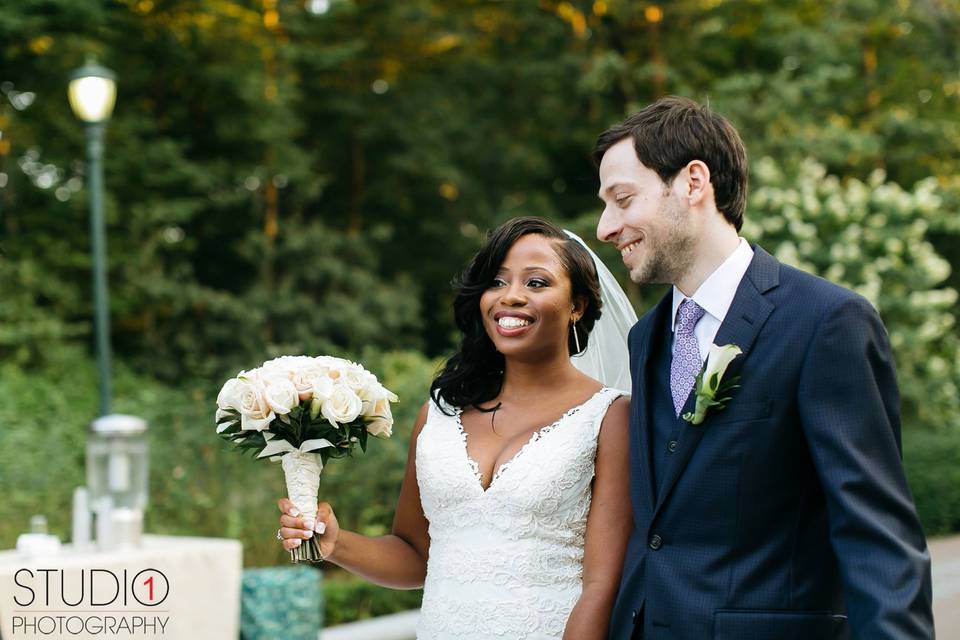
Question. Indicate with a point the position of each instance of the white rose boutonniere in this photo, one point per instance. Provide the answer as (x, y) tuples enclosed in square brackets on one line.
[(712, 391)]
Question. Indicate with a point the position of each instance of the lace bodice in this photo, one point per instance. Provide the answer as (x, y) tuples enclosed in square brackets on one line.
[(507, 562)]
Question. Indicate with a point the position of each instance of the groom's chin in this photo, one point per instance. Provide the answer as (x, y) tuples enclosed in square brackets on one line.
[(640, 275), (639, 267)]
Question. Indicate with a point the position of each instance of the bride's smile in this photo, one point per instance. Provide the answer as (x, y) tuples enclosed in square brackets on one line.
[(512, 323)]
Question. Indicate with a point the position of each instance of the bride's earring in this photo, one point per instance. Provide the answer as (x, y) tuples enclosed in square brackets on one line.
[(576, 338)]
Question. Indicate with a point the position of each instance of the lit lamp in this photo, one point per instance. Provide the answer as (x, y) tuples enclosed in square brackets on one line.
[(93, 92), (117, 471), (117, 454)]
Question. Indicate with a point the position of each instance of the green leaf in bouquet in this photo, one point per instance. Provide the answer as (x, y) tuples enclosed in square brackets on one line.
[(307, 432), (231, 430), (252, 441), (229, 416), (286, 432), (322, 429)]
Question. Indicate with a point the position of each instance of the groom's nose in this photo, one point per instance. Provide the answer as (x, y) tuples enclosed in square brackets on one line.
[(608, 228)]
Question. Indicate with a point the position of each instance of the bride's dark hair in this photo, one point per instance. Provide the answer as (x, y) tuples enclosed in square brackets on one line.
[(474, 374)]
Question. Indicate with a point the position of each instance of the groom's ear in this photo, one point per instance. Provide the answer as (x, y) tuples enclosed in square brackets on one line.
[(698, 182)]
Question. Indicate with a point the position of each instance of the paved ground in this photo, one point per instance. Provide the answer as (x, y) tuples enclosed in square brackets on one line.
[(946, 586)]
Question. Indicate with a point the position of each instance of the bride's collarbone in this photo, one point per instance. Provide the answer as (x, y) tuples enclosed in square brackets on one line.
[(494, 438), (509, 420)]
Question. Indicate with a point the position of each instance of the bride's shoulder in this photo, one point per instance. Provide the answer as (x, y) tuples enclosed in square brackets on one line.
[(615, 428), (617, 415)]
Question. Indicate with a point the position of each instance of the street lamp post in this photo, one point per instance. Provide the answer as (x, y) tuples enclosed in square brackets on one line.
[(92, 92)]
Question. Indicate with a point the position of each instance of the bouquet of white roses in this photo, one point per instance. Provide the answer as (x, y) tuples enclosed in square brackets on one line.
[(303, 411)]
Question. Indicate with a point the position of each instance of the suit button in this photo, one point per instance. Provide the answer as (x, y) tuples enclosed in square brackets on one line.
[(672, 446), (634, 618), (656, 542)]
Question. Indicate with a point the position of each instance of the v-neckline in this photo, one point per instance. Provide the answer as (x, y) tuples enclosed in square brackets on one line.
[(536, 435)]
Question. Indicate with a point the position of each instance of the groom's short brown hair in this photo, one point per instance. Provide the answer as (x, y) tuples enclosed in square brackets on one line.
[(671, 132)]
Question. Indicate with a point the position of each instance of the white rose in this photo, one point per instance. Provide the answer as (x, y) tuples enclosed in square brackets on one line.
[(369, 393), (229, 396), (329, 362), (255, 413), (382, 424), (358, 378), (372, 394), (287, 364), (334, 373), (275, 367), (303, 381), (281, 394), (329, 366), (341, 406), (321, 388)]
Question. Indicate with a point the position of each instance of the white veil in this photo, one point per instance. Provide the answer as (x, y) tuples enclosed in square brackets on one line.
[(606, 357)]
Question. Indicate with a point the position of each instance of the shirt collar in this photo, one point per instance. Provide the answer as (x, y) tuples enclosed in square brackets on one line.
[(716, 293)]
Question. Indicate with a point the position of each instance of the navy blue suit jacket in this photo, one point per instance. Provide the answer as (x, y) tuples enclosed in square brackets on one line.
[(785, 515)]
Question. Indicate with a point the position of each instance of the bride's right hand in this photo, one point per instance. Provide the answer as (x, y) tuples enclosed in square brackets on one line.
[(293, 528)]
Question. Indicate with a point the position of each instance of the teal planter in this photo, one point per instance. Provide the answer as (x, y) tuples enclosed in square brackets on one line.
[(281, 602)]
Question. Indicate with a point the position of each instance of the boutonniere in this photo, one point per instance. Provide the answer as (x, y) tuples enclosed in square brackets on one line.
[(711, 389)]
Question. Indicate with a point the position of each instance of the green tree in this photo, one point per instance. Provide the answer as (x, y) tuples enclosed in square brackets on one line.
[(871, 236)]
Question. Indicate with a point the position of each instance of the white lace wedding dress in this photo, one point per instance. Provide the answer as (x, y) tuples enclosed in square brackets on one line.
[(506, 563)]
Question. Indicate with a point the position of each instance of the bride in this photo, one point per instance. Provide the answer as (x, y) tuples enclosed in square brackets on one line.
[(514, 510)]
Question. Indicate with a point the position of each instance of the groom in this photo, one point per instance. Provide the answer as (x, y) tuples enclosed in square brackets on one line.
[(785, 514)]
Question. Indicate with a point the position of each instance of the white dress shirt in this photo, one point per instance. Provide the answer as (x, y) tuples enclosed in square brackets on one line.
[(715, 296)]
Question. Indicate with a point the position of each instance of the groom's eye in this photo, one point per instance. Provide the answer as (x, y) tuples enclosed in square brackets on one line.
[(622, 201)]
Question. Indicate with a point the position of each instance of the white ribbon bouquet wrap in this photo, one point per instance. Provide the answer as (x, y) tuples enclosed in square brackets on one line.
[(303, 411)]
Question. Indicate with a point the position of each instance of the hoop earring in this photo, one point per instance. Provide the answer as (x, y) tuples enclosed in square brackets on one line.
[(576, 338)]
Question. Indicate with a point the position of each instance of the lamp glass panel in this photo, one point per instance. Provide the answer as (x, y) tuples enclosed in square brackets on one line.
[(92, 98)]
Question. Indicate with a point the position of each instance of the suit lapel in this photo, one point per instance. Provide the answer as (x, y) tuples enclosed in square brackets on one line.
[(746, 316), (648, 332)]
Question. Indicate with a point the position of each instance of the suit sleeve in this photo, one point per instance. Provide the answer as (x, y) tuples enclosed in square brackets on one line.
[(849, 410)]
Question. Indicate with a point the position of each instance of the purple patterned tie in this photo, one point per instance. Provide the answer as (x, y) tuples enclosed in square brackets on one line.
[(686, 361)]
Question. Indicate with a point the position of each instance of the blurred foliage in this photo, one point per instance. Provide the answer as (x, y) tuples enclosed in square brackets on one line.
[(269, 154), (933, 471), (871, 236), (347, 598), (198, 486)]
